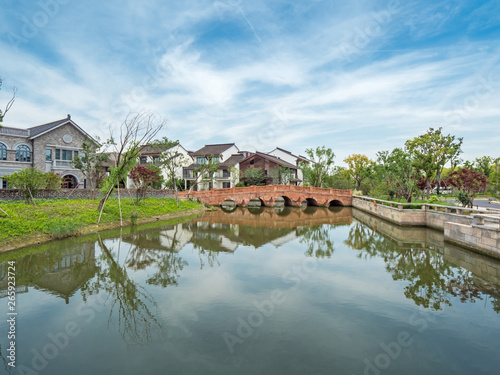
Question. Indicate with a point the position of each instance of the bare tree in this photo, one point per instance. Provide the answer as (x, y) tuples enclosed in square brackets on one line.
[(135, 131), (9, 103)]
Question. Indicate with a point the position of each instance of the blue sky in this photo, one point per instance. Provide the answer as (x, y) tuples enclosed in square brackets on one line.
[(359, 76)]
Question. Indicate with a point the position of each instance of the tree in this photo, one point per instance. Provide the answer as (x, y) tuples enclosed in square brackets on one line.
[(358, 167), (170, 159), (339, 179), (235, 174), (254, 176), (282, 175), (204, 172), (468, 182), (431, 151), (9, 104), (136, 130), (320, 166), (90, 162), (144, 178), (482, 165), (29, 181), (400, 175)]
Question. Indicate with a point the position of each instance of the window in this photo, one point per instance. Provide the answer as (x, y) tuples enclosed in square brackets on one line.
[(82, 155), (75, 154), (226, 185), (58, 154), (5, 185), (265, 172), (201, 160), (23, 153), (67, 155), (143, 160), (156, 160), (252, 162), (48, 154), (225, 173), (3, 152)]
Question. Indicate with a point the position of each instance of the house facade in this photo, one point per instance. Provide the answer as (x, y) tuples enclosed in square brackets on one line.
[(227, 155), (49, 147), (274, 170), (292, 159), (151, 156)]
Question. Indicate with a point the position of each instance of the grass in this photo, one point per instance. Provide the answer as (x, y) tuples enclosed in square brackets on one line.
[(61, 218)]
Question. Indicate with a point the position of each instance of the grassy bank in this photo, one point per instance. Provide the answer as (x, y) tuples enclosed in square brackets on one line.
[(63, 218)]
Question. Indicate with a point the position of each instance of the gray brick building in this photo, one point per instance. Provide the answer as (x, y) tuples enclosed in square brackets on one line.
[(49, 147)]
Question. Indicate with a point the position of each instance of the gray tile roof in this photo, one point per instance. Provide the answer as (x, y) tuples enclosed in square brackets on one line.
[(216, 149), (232, 160), (274, 159), (36, 130)]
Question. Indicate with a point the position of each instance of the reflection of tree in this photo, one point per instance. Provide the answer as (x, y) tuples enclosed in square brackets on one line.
[(432, 281), (317, 240), (130, 302)]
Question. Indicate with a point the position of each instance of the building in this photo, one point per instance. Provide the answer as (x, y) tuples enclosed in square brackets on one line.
[(49, 147), (227, 155), (274, 169), (292, 159), (151, 156)]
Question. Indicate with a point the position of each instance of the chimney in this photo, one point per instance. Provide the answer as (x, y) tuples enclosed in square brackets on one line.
[(69, 116)]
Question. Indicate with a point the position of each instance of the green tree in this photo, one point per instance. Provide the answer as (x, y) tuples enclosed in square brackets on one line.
[(90, 161), (254, 176), (400, 175), (319, 168), (136, 130), (483, 165), (29, 181), (204, 172), (431, 151), (358, 167)]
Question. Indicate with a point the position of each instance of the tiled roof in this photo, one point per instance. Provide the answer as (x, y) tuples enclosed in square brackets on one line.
[(303, 158), (232, 160), (216, 149), (273, 159), (35, 130), (153, 150)]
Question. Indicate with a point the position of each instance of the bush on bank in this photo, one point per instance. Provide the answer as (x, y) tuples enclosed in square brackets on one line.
[(61, 218)]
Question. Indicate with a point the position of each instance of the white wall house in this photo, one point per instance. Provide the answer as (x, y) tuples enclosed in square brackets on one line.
[(292, 159)]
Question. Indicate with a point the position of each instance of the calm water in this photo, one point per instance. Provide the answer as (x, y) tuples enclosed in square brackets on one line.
[(255, 292)]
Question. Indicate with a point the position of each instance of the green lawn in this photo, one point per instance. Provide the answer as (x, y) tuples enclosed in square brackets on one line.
[(60, 218)]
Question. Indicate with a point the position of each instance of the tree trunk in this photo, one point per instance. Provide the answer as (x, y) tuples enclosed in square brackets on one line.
[(428, 187)]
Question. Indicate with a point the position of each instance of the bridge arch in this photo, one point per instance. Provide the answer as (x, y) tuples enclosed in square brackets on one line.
[(335, 203), (256, 202), (309, 202), (228, 206)]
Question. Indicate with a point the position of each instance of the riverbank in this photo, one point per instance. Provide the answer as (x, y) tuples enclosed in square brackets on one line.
[(48, 220)]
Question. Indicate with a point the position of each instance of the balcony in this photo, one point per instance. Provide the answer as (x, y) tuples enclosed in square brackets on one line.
[(62, 164), (222, 175)]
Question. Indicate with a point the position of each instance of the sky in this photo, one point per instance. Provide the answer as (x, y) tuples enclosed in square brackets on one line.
[(356, 76)]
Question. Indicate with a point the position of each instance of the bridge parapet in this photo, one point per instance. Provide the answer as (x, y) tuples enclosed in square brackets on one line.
[(268, 194)]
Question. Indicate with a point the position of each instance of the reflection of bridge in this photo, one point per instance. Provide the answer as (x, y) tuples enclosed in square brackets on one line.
[(291, 195)]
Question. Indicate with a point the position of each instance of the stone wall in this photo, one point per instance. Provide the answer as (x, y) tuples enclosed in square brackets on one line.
[(13, 194), (416, 217), (483, 238)]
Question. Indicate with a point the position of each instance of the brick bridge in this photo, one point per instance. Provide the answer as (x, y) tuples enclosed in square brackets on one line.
[(292, 195)]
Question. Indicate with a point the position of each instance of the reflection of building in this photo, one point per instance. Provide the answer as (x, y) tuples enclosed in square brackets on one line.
[(60, 273)]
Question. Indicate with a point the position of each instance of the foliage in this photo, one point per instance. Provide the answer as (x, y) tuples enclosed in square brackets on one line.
[(133, 217), (90, 162), (29, 181), (319, 168), (482, 165), (468, 182), (431, 151), (282, 175), (254, 176), (53, 181), (400, 175), (204, 172), (339, 179), (60, 218), (144, 178), (240, 184), (358, 167)]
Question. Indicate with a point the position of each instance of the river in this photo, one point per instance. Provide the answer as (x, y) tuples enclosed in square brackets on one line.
[(253, 291)]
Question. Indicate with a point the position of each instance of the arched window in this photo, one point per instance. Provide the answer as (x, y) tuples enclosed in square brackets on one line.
[(23, 153), (3, 152)]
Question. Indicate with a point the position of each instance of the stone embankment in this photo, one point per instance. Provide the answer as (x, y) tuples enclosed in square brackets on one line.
[(477, 229)]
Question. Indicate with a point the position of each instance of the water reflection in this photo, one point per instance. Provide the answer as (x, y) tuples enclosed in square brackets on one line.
[(429, 265)]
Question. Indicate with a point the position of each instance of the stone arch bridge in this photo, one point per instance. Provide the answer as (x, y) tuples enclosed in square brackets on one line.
[(291, 195)]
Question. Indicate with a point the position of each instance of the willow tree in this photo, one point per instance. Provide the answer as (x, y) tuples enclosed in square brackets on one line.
[(135, 131)]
